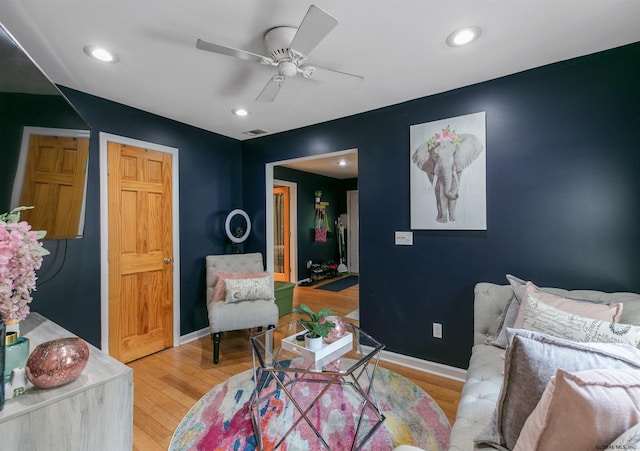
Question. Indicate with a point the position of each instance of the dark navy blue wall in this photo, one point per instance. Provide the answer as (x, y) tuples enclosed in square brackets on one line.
[(563, 158), (210, 186)]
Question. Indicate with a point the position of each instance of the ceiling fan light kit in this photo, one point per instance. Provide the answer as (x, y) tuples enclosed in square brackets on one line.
[(287, 49)]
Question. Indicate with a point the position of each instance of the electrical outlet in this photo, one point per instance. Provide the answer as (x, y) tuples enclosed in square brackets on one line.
[(437, 330)]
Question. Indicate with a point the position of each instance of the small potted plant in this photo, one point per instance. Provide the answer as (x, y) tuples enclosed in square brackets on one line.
[(317, 329), (318, 194)]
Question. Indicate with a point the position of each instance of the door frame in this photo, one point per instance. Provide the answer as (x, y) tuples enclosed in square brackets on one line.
[(104, 233), (268, 169), (293, 226), (351, 248)]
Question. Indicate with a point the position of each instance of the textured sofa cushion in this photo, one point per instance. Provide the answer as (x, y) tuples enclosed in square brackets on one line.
[(581, 302), (490, 301), (530, 362), (605, 312), (583, 410), (479, 396), (249, 289), (546, 319), (510, 315), (508, 320)]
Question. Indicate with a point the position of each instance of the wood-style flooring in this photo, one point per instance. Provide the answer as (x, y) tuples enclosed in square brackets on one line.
[(168, 383)]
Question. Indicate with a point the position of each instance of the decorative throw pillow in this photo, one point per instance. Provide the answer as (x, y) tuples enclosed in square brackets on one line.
[(252, 289), (629, 439), (593, 310), (510, 314), (543, 318), (531, 360), (219, 288), (586, 410)]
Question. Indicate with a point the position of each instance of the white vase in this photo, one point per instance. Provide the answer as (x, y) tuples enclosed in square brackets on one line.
[(312, 343)]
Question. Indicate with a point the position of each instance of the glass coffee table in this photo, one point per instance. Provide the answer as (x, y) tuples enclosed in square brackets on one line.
[(315, 386)]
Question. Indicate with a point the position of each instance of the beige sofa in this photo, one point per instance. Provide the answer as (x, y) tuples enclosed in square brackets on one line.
[(486, 366)]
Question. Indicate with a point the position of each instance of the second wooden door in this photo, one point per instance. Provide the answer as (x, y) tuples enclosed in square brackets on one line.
[(140, 251)]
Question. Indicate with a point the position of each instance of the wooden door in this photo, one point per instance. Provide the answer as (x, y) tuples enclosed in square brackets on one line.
[(54, 181), (281, 234), (140, 251)]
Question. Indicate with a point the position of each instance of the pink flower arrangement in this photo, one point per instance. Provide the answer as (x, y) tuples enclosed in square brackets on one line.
[(20, 256), (446, 135)]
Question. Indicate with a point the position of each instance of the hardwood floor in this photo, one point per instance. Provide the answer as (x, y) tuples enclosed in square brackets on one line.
[(168, 383)]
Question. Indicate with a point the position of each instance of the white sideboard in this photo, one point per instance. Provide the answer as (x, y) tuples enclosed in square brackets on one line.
[(94, 412)]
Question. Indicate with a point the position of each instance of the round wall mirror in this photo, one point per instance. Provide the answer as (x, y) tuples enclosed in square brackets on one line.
[(237, 226)]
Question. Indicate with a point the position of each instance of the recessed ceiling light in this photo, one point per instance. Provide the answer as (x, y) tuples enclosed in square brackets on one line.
[(101, 54), (242, 112), (463, 36), (255, 132), (342, 163)]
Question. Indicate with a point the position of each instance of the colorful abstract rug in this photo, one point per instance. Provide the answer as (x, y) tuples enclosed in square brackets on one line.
[(221, 420)]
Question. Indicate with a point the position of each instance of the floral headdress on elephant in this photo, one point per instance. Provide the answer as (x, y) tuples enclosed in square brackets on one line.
[(446, 135)]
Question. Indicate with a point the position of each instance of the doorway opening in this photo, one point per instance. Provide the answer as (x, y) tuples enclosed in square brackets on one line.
[(285, 231), (313, 164)]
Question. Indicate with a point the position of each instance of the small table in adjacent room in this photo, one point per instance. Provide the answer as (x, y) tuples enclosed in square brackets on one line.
[(308, 387)]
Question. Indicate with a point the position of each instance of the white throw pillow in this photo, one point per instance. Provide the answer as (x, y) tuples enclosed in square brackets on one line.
[(250, 289), (546, 319)]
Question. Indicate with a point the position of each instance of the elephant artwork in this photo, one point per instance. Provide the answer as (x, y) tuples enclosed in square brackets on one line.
[(444, 158)]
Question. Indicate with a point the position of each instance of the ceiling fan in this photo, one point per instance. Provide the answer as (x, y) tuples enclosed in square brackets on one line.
[(287, 49)]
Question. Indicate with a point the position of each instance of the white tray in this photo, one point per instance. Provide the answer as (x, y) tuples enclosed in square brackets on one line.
[(343, 344)]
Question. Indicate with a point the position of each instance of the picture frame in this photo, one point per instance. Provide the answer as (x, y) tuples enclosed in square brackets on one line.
[(447, 160)]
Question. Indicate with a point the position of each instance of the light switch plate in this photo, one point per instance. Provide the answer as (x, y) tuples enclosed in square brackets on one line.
[(404, 238)]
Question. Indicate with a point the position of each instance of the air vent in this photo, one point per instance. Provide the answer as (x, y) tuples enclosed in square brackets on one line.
[(255, 132)]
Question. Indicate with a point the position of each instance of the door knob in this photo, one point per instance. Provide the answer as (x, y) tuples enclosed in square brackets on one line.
[(168, 260)]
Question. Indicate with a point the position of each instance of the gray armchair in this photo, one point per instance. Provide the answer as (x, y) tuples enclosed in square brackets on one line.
[(224, 316)]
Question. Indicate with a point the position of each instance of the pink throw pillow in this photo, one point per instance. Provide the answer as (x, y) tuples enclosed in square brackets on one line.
[(583, 410), (219, 288), (593, 310)]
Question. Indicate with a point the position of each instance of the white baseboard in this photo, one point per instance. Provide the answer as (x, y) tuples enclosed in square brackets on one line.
[(426, 366), (193, 336)]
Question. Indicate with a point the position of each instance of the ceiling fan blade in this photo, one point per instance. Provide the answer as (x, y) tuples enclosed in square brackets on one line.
[(271, 89), (314, 27), (325, 75), (217, 48)]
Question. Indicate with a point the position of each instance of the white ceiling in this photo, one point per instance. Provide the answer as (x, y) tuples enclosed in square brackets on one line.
[(397, 46), (339, 165)]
